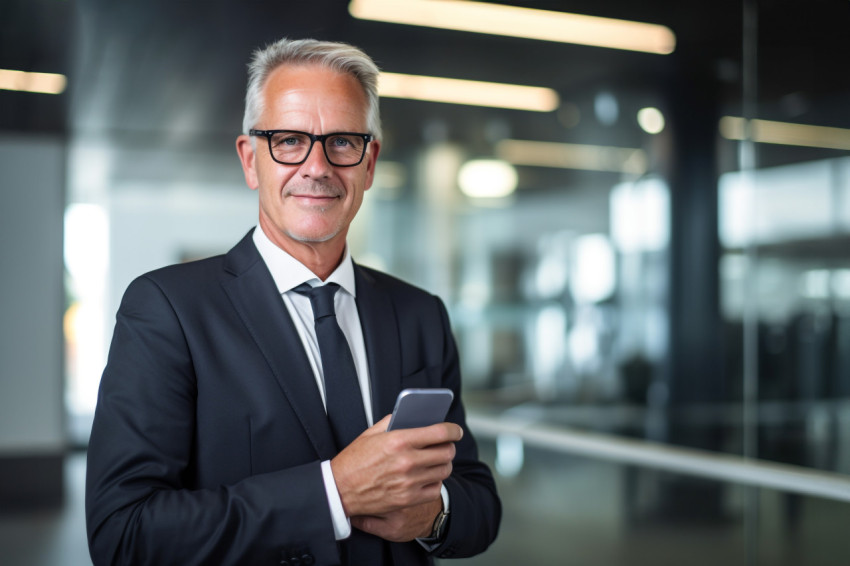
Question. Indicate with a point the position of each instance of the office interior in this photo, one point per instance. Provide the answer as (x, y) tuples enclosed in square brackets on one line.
[(648, 272)]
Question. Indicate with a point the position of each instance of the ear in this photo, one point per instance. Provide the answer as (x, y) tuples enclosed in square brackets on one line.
[(371, 158), (248, 158)]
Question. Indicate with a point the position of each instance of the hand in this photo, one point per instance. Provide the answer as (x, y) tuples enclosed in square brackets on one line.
[(403, 525), (382, 472)]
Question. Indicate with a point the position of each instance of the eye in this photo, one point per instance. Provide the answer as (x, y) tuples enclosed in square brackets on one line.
[(340, 142), (288, 140)]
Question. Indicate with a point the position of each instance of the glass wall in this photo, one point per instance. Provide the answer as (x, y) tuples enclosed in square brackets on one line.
[(668, 259), (566, 509)]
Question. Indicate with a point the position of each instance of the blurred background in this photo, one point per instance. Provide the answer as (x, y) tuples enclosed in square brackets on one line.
[(646, 255)]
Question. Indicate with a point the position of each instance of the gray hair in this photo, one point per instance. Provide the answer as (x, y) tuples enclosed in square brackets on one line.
[(339, 57)]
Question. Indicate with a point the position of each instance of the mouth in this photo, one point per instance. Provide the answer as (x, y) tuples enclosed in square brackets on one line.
[(317, 194), (310, 199)]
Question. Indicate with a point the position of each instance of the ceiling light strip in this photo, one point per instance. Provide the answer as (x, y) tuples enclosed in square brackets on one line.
[(476, 93), (46, 83), (573, 156), (515, 21), (785, 133)]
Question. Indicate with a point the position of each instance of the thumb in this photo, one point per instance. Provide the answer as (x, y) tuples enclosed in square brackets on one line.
[(380, 426)]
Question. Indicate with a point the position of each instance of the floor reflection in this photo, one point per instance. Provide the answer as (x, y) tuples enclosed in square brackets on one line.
[(563, 510), (571, 510)]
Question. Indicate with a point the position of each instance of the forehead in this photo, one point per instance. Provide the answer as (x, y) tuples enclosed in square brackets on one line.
[(311, 96)]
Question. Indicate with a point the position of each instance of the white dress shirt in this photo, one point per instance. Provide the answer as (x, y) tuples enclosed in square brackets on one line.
[(288, 273)]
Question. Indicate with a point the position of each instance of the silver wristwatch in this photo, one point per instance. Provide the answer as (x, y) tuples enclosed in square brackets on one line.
[(439, 528)]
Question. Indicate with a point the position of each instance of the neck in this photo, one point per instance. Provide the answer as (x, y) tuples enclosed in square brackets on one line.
[(322, 258)]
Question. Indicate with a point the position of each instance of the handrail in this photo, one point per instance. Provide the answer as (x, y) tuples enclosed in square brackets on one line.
[(700, 463)]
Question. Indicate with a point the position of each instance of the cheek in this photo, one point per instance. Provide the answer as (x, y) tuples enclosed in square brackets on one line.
[(272, 179), (356, 201)]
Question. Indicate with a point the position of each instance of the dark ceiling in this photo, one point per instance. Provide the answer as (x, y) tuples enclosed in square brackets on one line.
[(173, 72)]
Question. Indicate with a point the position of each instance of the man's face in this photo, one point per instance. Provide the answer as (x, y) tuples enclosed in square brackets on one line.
[(315, 201)]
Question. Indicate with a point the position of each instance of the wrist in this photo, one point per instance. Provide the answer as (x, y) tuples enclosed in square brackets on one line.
[(438, 526)]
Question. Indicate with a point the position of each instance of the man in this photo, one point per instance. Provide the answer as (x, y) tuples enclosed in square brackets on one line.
[(223, 431)]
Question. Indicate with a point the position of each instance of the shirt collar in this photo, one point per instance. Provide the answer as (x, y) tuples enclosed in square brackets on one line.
[(288, 272)]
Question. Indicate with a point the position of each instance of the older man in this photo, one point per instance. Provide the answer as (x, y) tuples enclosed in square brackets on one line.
[(227, 430)]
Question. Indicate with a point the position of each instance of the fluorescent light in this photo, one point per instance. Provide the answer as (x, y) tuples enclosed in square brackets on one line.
[(651, 120), (487, 178), (513, 21), (46, 83), (476, 93), (784, 133), (572, 156)]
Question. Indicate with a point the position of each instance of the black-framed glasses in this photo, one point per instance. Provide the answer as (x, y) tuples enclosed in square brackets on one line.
[(291, 147)]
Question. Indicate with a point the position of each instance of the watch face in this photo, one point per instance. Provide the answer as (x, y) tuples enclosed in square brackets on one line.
[(439, 525)]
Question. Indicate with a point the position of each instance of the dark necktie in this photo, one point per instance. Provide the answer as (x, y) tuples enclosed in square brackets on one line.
[(343, 399), (344, 404)]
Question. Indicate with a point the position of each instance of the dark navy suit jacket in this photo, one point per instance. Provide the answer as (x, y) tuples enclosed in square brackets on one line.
[(209, 429)]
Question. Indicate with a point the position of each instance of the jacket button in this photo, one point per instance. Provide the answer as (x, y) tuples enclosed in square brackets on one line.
[(307, 560)]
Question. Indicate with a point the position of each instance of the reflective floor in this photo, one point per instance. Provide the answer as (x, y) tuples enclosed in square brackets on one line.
[(562, 510), (50, 538), (565, 510)]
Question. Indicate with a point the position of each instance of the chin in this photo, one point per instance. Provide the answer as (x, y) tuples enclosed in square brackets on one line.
[(312, 238)]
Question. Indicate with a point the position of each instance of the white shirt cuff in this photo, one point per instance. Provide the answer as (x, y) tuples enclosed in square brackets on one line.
[(342, 524)]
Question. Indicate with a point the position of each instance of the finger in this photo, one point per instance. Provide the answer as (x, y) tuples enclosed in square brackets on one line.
[(415, 479), (440, 433), (380, 426), (404, 461), (427, 478), (366, 523), (436, 455), (403, 524)]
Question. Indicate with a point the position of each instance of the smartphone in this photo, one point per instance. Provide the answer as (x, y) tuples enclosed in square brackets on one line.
[(416, 408)]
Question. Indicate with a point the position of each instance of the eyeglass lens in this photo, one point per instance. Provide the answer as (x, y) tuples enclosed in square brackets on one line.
[(340, 149)]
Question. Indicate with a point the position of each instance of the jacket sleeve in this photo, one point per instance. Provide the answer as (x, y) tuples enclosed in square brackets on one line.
[(141, 506)]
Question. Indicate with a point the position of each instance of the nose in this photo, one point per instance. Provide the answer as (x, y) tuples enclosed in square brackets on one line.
[(317, 165)]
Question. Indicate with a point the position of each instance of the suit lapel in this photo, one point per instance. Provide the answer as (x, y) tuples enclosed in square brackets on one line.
[(380, 333), (256, 299)]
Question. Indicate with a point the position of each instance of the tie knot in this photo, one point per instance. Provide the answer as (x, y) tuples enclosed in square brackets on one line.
[(321, 298)]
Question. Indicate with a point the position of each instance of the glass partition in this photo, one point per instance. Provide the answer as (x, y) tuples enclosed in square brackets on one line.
[(664, 257), (572, 510)]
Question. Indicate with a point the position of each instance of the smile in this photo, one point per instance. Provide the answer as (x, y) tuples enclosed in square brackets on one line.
[(323, 198)]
